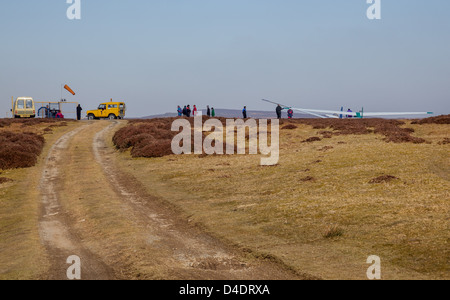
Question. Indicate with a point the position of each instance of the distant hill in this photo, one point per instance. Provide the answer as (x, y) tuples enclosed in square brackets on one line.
[(234, 113)]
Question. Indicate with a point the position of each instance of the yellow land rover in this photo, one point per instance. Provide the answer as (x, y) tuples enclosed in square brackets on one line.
[(109, 110)]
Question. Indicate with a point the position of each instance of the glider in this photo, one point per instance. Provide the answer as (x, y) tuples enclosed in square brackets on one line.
[(324, 114)]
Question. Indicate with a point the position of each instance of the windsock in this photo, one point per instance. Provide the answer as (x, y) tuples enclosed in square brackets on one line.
[(69, 89)]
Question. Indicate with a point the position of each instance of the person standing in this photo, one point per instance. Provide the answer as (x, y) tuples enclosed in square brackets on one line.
[(194, 111), (278, 110), (290, 113), (185, 111), (349, 116), (59, 115), (179, 111), (244, 112), (213, 112), (208, 111), (188, 111), (79, 109)]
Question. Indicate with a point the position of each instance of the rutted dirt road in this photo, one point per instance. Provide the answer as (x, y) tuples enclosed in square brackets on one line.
[(54, 230), (119, 231)]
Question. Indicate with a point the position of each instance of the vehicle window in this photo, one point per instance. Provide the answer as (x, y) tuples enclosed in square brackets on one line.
[(20, 104), (112, 106), (102, 106), (29, 104), (122, 106)]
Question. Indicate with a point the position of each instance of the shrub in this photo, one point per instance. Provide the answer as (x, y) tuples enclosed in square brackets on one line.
[(389, 128), (153, 137), (290, 127), (434, 120), (19, 150)]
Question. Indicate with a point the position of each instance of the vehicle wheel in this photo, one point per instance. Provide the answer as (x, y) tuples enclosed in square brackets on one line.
[(91, 117), (112, 117)]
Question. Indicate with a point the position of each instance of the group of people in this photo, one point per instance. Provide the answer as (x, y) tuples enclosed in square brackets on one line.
[(279, 110), (52, 113), (186, 111), (210, 112), (57, 113)]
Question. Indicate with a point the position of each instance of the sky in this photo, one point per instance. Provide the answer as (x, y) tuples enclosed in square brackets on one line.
[(157, 54)]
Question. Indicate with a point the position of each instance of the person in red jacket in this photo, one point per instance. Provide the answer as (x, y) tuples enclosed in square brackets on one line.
[(59, 115), (195, 111), (290, 113)]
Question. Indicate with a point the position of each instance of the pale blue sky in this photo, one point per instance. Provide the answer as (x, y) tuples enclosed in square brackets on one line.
[(158, 54)]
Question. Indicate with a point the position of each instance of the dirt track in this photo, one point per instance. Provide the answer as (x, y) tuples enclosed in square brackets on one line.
[(166, 246)]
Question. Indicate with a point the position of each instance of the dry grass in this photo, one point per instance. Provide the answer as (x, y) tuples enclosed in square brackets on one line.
[(22, 255), (277, 212)]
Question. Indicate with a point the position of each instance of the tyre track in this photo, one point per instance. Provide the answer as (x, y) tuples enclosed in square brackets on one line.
[(55, 233)]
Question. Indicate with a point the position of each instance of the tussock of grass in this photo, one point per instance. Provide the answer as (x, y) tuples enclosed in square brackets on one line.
[(445, 141), (289, 127), (383, 178), (333, 232), (4, 180), (312, 139)]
